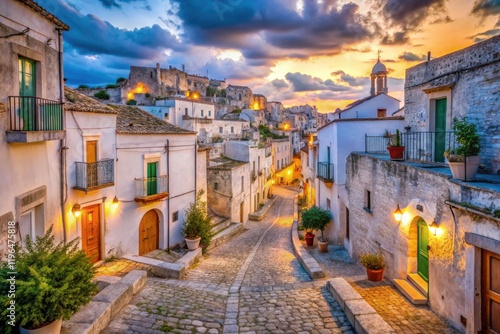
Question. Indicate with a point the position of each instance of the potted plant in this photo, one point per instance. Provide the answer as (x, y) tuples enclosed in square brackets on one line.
[(196, 227), (464, 160), (316, 218), (374, 264), (49, 283), (396, 150)]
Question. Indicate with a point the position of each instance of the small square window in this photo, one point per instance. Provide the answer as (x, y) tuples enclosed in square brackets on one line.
[(220, 129), (232, 129), (328, 204), (216, 186), (202, 113), (175, 216), (368, 201), (210, 113)]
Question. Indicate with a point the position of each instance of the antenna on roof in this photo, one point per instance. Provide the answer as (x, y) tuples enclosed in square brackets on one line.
[(379, 52)]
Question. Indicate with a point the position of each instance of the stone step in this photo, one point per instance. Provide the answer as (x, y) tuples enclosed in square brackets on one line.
[(410, 292), (225, 235), (419, 283), (220, 226)]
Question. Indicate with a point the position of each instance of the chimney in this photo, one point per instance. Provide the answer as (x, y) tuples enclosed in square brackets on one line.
[(183, 68), (428, 55)]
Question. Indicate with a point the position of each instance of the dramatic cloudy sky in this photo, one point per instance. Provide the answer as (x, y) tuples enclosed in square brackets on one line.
[(296, 51)]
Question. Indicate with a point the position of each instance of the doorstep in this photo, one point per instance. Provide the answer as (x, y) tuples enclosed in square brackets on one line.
[(167, 269), (261, 213)]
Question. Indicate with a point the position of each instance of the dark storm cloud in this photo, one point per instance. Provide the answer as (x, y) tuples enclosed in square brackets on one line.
[(89, 35), (116, 3), (410, 56), (408, 16), (350, 80), (305, 82), (322, 28), (485, 8), (484, 35)]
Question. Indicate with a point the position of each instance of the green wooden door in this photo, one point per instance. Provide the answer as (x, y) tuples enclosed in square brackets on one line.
[(423, 252), (152, 182), (27, 89), (440, 128)]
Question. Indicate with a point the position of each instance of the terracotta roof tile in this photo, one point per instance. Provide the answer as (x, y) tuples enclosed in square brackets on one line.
[(76, 101)]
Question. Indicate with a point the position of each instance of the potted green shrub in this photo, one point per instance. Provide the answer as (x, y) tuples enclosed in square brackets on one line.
[(316, 218), (196, 227), (374, 264), (396, 150), (464, 160), (51, 283)]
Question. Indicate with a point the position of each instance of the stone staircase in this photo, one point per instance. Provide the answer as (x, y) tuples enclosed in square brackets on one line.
[(414, 288), (222, 229)]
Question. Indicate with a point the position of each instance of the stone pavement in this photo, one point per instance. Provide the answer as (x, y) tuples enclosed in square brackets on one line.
[(401, 315), (251, 284), (120, 267)]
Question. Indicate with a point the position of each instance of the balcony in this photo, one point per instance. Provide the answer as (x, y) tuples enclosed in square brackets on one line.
[(202, 120), (33, 119), (426, 146), (151, 189), (94, 175), (325, 173)]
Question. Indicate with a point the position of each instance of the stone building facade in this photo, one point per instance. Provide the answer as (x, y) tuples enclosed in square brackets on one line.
[(240, 96), (259, 102), (467, 82), (377, 186)]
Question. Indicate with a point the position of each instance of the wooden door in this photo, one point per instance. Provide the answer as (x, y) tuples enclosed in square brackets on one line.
[(149, 232), (241, 212), (91, 232), (423, 252), (440, 129), (91, 152), (490, 292)]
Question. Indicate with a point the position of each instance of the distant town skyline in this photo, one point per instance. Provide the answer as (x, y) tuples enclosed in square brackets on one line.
[(304, 51)]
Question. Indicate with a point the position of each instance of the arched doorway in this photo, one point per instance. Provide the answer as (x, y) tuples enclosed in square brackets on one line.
[(423, 250), (149, 232)]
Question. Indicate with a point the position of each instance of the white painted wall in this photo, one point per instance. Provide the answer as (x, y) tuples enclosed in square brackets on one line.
[(344, 137), (368, 109), (194, 109)]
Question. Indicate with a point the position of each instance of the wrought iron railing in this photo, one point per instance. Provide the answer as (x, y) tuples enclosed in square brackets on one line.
[(29, 113), (424, 146), (92, 175), (325, 171), (150, 186)]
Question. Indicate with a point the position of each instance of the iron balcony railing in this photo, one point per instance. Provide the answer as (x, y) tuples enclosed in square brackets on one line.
[(95, 175), (29, 113), (151, 186), (325, 171), (423, 146)]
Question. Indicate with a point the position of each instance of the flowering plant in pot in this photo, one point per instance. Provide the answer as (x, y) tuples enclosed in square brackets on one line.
[(51, 282), (196, 227), (316, 218), (464, 160), (396, 150), (374, 264)]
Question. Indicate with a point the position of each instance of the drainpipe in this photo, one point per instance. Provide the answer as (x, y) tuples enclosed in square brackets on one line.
[(168, 191), (195, 167), (62, 144)]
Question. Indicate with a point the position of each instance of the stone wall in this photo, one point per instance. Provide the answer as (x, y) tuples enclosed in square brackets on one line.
[(115, 94), (421, 193), (469, 79)]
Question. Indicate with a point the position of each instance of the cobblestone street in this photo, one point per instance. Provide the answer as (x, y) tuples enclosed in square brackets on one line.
[(255, 284)]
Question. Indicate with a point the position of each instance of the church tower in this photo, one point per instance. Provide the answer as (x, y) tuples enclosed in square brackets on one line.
[(379, 78)]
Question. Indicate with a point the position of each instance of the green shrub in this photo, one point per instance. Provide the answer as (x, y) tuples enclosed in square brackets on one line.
[(102, 95), (83, 86), (147, 95), (496, 213), (467, 137), (197, 223), (112, 86), (52, 281), (316, 218), (372, 261), (120, 80), (132, 102)]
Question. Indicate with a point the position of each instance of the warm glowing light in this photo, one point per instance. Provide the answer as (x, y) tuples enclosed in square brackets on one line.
[(405, 220), (140, 89), (285, 126), (256, 106), (130, 96), (77, 210), (289, 172), (115, 202), (434, 228), (272, 182), (398, 214)]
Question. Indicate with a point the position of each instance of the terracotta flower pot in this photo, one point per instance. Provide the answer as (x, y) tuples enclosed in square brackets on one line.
[(396, 152), (52, 328), (309, 239), (375, 275), (192, 244), (459, 172), (323, 246)]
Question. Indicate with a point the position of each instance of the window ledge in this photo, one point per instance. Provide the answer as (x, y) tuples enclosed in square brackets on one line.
[(367, 210)]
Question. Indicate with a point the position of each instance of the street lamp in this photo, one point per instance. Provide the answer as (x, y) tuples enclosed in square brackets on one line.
[(398, 214)]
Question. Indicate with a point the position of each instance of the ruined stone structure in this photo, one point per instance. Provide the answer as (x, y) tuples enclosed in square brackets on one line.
[(259, 102), (239, 96), (466, 82)]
